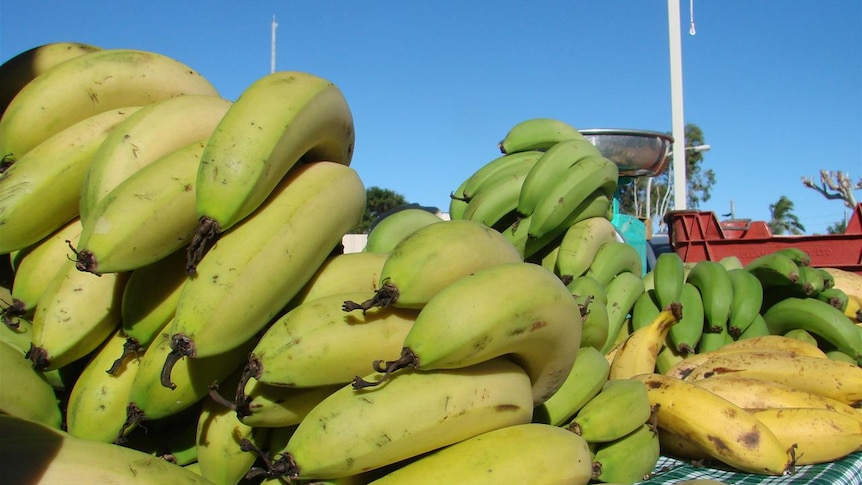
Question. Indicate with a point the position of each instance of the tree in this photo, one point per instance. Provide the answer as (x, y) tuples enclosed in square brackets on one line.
[(839, 227), (782, 219), (378, 201), (632, 194), (835, 186)]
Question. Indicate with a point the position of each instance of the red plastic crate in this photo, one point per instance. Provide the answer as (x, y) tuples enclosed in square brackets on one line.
[(698, 236)]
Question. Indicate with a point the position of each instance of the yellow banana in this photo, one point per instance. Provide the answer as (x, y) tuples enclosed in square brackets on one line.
[(266, 406), (730, 434), (845, 280), (817, 435), (638, 353), (776, 342), (343, 273), (91, 84), (517, 309), (25, 393)]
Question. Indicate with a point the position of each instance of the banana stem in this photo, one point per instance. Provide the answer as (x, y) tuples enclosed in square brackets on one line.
[(407, 359), (181, 346), (284, 466), (205, 235), (84, 260), (212, 390), (130, 346), (38, 356), (252, 369), (134, 418), (455, 197), (383, 297), (16, 309)]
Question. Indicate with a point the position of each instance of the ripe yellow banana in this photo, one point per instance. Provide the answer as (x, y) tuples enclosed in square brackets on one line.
[(776, 342), (25, 393), (622, 406), (501, 456), (258, 267), (818, 435), (41, 189), (520, 310), (22, 68), (78, 312), (431, 258), (154, 131), (586, 379), (387, 232), (413, 413), (45, 455), (638, 353), (145, 218), (845, 280), (729, 434), (279, 120), (90, 84), (343, 273)]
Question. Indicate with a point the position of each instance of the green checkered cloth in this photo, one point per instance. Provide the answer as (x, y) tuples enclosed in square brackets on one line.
[(847, 471)]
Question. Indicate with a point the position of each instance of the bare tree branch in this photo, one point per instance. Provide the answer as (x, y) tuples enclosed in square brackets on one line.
[(835, 185)]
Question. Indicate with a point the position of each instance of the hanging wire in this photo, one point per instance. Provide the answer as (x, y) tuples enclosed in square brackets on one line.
[(691, 30)]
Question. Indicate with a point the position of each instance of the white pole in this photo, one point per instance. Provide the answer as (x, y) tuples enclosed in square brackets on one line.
[(272, 47), (677, 119)]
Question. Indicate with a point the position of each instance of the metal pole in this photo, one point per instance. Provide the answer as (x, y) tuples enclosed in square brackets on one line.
[(677, 119), (272, 47)]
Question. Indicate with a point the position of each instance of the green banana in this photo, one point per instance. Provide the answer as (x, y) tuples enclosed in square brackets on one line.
[(537, 134), (236, 291), (586, 379), (278, 121), (731, 262), (588, 175), (834, 296), (431, 258), (343, 273), (514, 163), (549, 168), (618, 409), (811, 281), (495, 202), (517, 309), (622, 292), (774, 269), (628, 459), (317, 343), (645, 310), (685, 335), (266, 406), (458, 201), (414, 413), (798, 255), (803, 335), (580, 243), (588, 286), (77, 89), (613, 258), (25, 394), (669, 276), (819, 318), (388, 231), (716, 291), (747, 300), (595, 323), (757, 328), (41, 189), (712, 339)]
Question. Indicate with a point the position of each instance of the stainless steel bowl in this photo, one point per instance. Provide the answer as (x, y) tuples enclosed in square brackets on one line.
[(637, 153)]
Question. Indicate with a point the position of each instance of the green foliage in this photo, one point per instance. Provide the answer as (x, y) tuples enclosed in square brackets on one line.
[(782, 219), (378, 201)]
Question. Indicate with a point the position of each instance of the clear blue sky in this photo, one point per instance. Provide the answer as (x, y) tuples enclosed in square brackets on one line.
[(775, 85)]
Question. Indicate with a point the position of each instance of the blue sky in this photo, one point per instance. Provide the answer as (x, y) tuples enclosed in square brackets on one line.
[(775, 85)]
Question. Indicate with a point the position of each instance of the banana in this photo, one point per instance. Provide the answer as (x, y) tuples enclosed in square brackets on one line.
[(668, 356), (343, 273), (731, 262), (278, 121), (716, 290), (549, 168), (97, 403), (747, 301), (812, 282), (458, 201), (18, 333), (219, 432), (818, 435), (613, 258), (669, 277), (831, 378), (774, 269), (317, 343), (638, 353), (711, 340), (266, 406), (817, 317), (39, 263), (581, 242), (686, 334), (473, 184), (536, 322), (236, 291), (628, 459), (622, 292), (22, 68), (775, 342), (595, 323), (145, 218), (91, 84), (586, 379), (560, 201), (621, 407), (849, 282), (837, 298), (499, 456), (587, 286), (387, 232), (41, 189), (752, 394), (25, 394), (77, 312), (757, 328), (838, 355), (537, 134), (150, 298), (730, 435), (798, 255), (801, 334), (496, 199), (431, 258), (415, 412), (150, 400), (682, 448), (45, 455)]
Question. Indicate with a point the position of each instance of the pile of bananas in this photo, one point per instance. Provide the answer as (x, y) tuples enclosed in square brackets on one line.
[(181, 310)]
